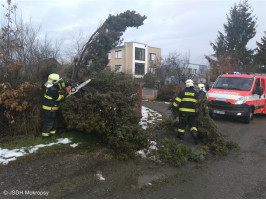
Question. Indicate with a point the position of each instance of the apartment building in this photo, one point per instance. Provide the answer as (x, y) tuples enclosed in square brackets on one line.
[(134, 58)]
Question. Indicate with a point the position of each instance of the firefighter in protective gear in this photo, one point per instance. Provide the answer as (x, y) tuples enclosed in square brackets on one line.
[(202, 91), (56, 91), (203, 98), (185, 103)]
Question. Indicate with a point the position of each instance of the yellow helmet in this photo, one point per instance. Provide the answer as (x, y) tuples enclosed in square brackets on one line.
[(189, 83), (52, 80)]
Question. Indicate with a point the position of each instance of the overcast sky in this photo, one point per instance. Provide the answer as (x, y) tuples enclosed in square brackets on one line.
[(182, 26)]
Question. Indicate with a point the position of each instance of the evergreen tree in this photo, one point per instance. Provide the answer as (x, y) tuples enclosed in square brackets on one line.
[(232, 45), (93, 57), (261, 54)]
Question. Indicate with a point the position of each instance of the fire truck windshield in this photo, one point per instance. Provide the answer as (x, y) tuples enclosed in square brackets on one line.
[(233, 83)]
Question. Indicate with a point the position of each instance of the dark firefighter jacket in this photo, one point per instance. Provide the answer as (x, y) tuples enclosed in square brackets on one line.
[(54, 95), (202, 93), (186, 100)]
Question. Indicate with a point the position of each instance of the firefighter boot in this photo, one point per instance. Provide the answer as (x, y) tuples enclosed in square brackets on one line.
[(180, 134), (45, 136), (52, 133)]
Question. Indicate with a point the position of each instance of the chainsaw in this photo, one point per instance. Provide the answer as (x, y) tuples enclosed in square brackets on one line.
[(78, 87)]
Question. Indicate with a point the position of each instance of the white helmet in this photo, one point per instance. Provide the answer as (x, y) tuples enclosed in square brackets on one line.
[(189, 83), (52, 79), (201, 86)]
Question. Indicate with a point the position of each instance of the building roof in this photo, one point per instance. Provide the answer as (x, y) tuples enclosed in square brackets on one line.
[(134, 42)]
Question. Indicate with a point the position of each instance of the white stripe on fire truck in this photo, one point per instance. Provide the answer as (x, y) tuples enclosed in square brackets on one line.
[(224, 97)]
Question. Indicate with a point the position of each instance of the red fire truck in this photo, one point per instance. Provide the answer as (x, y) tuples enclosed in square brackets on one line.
[(238, 94)]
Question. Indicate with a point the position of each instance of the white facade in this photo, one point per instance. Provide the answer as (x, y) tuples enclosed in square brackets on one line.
[(141, 46)]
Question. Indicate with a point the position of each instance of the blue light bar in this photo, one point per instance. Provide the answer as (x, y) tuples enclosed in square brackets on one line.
[(248, 73)]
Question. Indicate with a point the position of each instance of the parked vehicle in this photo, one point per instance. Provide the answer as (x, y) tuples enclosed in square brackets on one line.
[(238, 94)]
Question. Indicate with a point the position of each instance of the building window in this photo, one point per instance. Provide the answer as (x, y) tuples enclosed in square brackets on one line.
[(109, 55), (194, 71), (152, 70), (152, 56), (139, 69), (139, 54), (118, 68), (118, 54)]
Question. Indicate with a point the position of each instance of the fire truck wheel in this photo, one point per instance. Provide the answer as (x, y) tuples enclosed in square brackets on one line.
[(249, 116)]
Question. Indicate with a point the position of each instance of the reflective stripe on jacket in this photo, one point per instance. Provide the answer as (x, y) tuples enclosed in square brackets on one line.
[(52, 97), (49, 108), (186, 100)]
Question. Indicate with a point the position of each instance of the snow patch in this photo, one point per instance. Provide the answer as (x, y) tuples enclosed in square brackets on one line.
[(7, 155), (149, 117), (146, 153), (74, 145)]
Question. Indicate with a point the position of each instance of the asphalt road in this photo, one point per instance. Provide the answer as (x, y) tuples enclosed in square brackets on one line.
[(240, 174), (73, 174)]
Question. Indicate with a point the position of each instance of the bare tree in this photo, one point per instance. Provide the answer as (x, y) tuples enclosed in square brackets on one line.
[(35, 51), (177, 65), (221, 66), (75, 50), (10, 42), (21, 49)]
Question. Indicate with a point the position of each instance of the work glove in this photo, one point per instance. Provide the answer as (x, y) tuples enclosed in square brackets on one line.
[(68, 89)]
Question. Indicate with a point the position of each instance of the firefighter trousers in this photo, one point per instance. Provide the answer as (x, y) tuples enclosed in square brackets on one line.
[(185, 119), (50, 123)]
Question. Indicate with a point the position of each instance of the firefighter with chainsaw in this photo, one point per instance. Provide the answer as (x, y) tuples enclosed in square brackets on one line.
[(185, 103), (56, 91)]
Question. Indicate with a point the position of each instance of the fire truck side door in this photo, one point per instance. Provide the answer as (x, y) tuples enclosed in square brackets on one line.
[(258, 91), (256, 96)]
